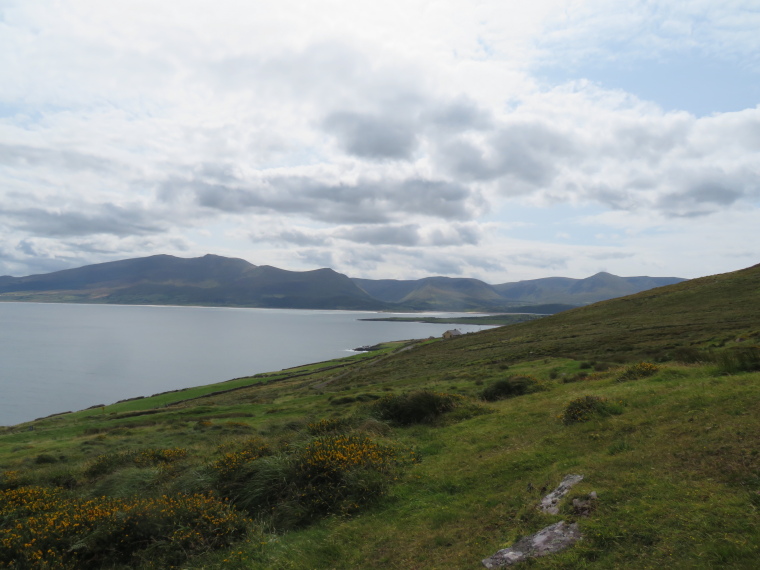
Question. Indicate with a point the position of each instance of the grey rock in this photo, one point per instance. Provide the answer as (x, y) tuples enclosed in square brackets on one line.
[(548, 540), (550, 503), (584, 507)]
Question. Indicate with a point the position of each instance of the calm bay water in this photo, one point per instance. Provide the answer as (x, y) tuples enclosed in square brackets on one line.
[(58, 357)]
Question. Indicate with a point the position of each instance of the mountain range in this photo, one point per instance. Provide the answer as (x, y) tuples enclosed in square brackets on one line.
[(214, 280)]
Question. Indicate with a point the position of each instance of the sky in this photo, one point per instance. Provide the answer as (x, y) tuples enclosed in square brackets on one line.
[(501, 140)]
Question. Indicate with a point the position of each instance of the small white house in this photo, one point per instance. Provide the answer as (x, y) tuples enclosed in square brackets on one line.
[(452, 333)]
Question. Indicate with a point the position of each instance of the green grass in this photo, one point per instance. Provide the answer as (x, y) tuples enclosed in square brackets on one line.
[(675, 460)]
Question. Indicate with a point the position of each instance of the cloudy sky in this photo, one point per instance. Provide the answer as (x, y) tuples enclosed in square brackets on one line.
[(497, 139)]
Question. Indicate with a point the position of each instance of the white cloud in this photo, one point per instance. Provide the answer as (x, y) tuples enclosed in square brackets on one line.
[(389, 139)]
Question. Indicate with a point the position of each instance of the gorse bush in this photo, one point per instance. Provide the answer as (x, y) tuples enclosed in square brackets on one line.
[(339, 474), (109, 462), (415, 407), (149, 457), (509, 388), (637, 371), (331, 474), (237, 454), (45, 528), (585, 408), (331, 425)]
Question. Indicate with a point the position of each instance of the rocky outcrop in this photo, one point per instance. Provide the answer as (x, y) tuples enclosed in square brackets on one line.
[(550, 503), (548, 540), (552, 538)]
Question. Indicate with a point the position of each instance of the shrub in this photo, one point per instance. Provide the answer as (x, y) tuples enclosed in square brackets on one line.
[(585, 408), (110, 462), (149, 457), (509, 388), (339, 474), (415, 407), (343, 400), (237, 454), (330, 425), (44, 458), (637, 371), (46, 528), (575, 378), (739, 359), (333, 474)]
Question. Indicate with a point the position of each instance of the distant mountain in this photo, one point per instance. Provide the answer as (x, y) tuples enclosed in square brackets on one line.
[(599, 287), (208, 280), (445, 293), (213, 280), (435, 293)]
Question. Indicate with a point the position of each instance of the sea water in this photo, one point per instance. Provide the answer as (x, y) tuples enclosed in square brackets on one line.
[(66, 357)]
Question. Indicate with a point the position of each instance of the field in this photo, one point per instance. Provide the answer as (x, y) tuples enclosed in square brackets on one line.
[(423, 455)]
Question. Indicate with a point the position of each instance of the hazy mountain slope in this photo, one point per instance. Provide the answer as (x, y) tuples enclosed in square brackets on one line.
[(208, 280), (445, 293), (599, 287), (390, 290), (204, 271), (216, 280)]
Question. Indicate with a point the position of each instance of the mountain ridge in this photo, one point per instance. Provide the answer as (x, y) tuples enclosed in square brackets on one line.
[(213, 280)]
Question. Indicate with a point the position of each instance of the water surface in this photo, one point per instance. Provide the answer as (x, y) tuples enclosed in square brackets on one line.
[(60, 357)]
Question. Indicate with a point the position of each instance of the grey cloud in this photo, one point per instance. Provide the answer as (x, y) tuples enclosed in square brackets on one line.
[(713, 192), (31, 263), (526, 152), (404, 235), (366, 202), (487, 264), (458, 235), (104, 219), (295, 237), (375, 137), (318, 257), (542, 261), (441, 266), (611, 255), (27, 156), (460, 115)]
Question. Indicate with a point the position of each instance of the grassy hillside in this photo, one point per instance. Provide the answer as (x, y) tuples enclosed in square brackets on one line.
[(405, 458)]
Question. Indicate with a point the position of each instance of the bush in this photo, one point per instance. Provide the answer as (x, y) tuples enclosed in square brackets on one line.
[(637, 371), (740, 359), (690, 355), (45, 528), (235, 455), (585, 408), (110, 462), (415, 407), (509, 388), (330, 425), (334, 474)]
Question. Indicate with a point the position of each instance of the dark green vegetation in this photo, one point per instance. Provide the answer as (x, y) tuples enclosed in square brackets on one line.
[(212, 280), (489, 320), (392, 459)]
